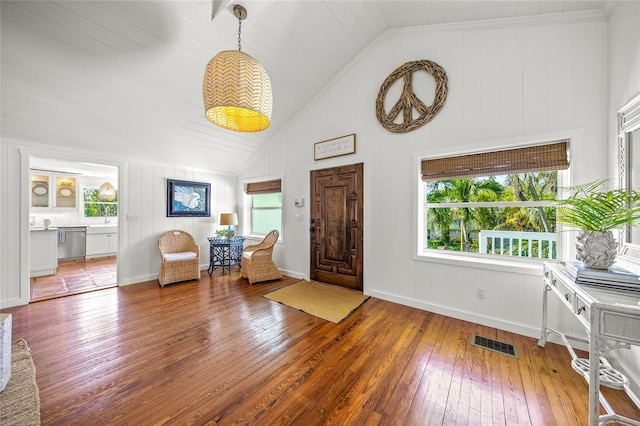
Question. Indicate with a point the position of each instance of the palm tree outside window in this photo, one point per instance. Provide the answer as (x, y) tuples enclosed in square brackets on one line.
[(511, 214)]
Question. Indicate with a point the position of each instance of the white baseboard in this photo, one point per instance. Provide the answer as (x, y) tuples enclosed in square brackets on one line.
[(11, 303), (137, 280), (477, 319), (203, 270), (294, 274)]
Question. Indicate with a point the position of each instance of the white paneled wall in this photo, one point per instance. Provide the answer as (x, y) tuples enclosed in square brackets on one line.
[(624, 85), (508, 84), (143, 193), (148, 200)]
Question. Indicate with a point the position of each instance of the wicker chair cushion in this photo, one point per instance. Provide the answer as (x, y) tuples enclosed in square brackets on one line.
[(174, 257), (247, 254)]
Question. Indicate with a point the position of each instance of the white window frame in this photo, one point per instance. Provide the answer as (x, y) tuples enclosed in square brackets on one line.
[(104, 203), (248, 205), (489, 261)]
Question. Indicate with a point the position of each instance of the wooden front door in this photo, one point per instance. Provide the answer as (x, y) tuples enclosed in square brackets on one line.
[(336, 226)]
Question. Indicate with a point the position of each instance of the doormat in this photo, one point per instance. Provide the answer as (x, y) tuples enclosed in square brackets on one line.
[(20, 399), (324, 301)]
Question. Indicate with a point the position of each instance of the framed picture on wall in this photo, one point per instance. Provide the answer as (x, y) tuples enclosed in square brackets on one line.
[(343, 145), (188, 199)]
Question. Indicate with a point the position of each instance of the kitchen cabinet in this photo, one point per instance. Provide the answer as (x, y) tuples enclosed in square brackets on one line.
[(53, 191), (40, 185), (43, 252), (102, 241), (65, 192)]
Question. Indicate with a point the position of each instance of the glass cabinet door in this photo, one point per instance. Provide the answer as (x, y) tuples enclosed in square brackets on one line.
[(40, 191), (65, 192)]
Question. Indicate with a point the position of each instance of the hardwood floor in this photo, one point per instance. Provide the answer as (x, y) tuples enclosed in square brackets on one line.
[(215, 351), (76, 276)]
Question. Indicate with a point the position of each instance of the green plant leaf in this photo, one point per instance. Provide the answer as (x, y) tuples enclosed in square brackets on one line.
[(592, 207)]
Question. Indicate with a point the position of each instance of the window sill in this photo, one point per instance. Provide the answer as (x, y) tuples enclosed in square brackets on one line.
[(518, 266), (258, 238)]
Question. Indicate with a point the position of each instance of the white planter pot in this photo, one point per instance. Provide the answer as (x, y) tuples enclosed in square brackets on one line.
[(597, 250)]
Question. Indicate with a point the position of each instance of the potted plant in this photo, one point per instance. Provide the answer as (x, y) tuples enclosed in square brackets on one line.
[(221, 233), (596, 211)]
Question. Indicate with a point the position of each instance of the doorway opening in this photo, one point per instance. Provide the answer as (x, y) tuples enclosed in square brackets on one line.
[(73, 227)]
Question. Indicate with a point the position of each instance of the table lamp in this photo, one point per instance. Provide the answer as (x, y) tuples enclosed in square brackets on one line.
[(228, 219)]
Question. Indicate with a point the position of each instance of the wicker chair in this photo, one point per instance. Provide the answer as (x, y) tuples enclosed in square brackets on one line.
[(180, 257), (256, 260)]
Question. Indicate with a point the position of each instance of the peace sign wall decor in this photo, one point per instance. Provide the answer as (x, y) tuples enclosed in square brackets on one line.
[(408, 100)]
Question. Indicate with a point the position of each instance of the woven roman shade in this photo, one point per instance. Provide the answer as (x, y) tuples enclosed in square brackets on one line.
[(536, 158), (266, 187)]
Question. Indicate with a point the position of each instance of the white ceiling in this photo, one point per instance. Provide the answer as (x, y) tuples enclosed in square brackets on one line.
[(125, 77)]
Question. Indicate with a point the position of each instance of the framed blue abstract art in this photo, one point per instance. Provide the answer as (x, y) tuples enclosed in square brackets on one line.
[(188, 199)]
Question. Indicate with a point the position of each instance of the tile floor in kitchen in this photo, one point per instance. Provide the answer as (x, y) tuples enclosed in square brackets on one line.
[(75, 276)]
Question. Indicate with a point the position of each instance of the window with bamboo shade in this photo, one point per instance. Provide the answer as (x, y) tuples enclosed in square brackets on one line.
[(266, 206), (499, 202)]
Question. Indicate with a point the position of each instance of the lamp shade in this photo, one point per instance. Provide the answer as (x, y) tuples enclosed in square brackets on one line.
[(237, 92), (228, 219), (106, 192)]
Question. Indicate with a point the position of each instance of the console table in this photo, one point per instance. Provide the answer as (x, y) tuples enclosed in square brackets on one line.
[(225, 252), (612, 320)]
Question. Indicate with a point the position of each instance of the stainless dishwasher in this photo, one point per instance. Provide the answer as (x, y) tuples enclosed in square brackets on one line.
[(72, 243)]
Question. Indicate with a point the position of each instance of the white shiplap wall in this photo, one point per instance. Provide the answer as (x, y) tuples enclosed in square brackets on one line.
[(142, 189), (624, 85), (509, 83)]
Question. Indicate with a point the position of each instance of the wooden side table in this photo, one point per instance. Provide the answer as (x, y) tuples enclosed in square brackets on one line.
[(225, 252)]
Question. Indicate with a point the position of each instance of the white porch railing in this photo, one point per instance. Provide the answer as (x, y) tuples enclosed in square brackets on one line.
[(541, 245)]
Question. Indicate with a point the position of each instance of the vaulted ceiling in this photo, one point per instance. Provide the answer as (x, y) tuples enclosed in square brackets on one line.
[(124, 78)]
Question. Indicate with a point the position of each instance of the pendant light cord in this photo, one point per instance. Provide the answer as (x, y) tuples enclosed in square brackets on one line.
[(239, 31)]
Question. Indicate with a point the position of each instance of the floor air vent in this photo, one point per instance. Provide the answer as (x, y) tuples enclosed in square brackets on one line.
[(494, 345)]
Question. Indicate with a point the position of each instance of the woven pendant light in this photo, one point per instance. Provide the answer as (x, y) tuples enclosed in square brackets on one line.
[(106, 192), (236, 89)]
